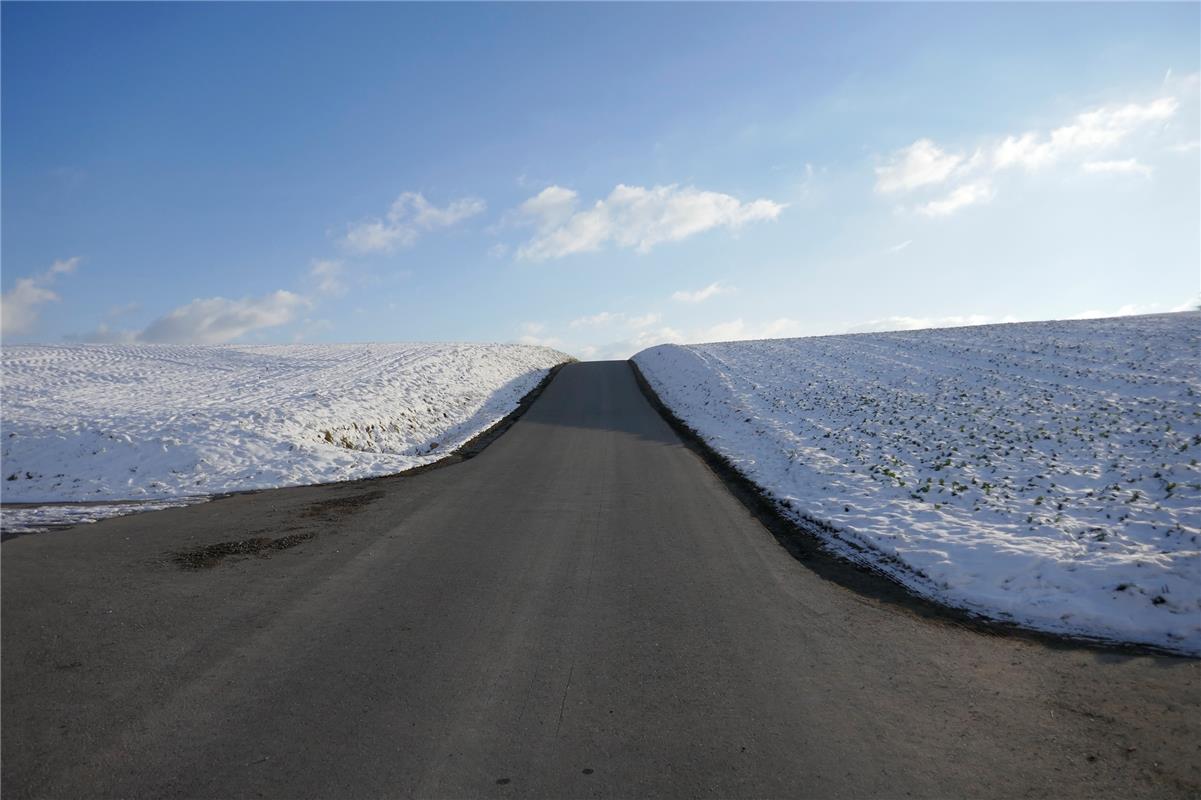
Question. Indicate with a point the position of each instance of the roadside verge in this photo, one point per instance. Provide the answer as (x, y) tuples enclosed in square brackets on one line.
[(808, 543)]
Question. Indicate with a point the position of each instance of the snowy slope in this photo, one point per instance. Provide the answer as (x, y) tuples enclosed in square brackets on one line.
[(1045, 473), (137, 422)]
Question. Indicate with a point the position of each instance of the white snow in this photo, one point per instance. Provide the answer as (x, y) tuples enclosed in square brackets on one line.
[(42, 516), (154, 422), (1043, 473)]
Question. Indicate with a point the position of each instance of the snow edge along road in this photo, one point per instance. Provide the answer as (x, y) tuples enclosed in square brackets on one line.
[(815, 544), (22, 519)]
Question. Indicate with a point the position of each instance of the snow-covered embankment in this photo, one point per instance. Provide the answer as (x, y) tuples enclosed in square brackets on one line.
[(157, 422), (1044, 473)]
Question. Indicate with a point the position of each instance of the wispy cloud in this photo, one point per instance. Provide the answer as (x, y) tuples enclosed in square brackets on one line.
[(969, 194), (601, 318), (920, 164), (327, 275), (1090, 131), (631, 217), (608, 318), (1129, 166), (925, 164), (19, 305), (896, 248), (643, 321), (700, 295), (409, 217)]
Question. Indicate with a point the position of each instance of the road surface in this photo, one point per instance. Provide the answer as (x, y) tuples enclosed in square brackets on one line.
[(583, 610)]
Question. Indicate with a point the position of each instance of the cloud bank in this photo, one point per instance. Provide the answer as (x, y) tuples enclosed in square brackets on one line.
[(212, 320)]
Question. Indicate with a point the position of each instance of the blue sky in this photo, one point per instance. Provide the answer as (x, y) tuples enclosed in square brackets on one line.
[(596, 177)]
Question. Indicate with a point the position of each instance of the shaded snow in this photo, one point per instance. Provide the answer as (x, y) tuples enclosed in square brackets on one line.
[(141, 422), (1045, 473)]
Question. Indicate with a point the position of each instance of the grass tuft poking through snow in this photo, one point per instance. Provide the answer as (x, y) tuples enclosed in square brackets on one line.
[(152, 422), (1044, 473)]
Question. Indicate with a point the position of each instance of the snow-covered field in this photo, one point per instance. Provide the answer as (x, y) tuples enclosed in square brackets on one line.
[(1044, 473), (142, 422)]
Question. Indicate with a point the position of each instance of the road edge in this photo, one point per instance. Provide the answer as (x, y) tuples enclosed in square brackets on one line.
[(814, 552), (468, 450)]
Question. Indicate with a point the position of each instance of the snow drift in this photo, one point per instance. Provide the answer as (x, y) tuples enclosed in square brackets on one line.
[(1043, 473), (144, 422)]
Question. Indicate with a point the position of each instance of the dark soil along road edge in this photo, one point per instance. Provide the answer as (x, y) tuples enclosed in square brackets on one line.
[(469, 449), (807, 544)]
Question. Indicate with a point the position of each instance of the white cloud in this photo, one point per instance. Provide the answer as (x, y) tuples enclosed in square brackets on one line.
[(919, 164), (1133, 309), (640, 340), (213, 320), (1186, 147), (902, 323), (966, 195), (1128, 166), (700, 295), (1024, 150), (531, 328), (1088, 132), (603, 318), (896, 248), (926, 164), (551, 207), (644, 321), (63, 266), (217, 320), (18, 306), (328, 277), (632, 217), (531, 334), (410, 216), (738, 330)]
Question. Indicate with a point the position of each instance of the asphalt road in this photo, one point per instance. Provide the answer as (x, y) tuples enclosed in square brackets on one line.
[(581, 610)]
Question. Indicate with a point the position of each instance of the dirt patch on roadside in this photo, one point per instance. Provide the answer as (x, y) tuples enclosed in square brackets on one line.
[(341, 506), (211, 555)]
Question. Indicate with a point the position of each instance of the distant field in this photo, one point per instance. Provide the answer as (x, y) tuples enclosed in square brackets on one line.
[(1045, 473), (141, 422)]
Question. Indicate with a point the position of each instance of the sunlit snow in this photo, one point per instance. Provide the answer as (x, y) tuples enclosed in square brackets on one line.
[(142, 422), (1045, 473)]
